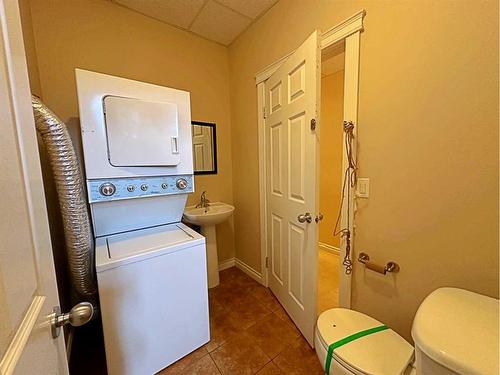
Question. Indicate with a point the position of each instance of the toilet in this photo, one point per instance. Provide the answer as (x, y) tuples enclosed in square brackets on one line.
[(455, 332)]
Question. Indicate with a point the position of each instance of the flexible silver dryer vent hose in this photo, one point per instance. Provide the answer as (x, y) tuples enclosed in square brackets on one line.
[(69, 185)]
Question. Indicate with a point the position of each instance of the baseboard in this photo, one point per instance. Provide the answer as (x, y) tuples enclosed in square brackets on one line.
[(328, 247), (257, 276), (225, 264)]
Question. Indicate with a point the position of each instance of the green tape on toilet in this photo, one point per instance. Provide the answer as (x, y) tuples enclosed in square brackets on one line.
[(348, 339)]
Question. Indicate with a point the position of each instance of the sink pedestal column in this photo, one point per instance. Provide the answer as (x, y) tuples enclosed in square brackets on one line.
[(212, 259)]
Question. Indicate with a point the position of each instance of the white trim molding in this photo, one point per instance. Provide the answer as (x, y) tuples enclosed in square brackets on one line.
[(345, 28), (328, 247), (257, 276), (262, 182), (16, 347), (228, 263)]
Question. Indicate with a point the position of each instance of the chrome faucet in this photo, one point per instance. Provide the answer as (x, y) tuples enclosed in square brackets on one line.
[(204, 202)]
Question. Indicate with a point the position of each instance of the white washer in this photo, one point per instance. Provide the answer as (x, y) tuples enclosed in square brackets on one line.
[(152, 288)]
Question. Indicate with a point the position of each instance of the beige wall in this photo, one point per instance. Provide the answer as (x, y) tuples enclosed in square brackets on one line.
[(330, 176), (104, 37), (428, 141)]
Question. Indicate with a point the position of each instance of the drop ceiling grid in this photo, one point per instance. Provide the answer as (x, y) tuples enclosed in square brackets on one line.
[(217, 20)]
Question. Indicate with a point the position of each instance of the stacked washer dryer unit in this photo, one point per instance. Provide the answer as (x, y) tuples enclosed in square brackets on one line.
[(151, 268)]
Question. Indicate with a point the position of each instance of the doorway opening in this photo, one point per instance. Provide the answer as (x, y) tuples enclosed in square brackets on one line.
[(330, 175)]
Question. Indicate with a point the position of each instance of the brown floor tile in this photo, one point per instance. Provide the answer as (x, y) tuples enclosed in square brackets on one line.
[(283, 315), (228, 275), (270, 369), (240, 356), (299, 359), (265, 296), (249, 327), (222, 329), (229, 295), (215, 307), (246, 314), (235, 277), (204, 366), (183, 363), (273, 334)]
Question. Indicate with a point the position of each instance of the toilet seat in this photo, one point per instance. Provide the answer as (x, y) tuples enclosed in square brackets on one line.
[(384, 352)]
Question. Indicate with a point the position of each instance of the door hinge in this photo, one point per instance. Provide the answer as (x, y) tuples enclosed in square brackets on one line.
[(267, 262), (313, 124), (264, 112)]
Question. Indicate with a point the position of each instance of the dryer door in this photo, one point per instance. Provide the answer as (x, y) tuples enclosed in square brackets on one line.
[(141, 133)]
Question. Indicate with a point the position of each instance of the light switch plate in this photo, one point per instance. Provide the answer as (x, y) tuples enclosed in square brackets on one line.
[(363, 190)]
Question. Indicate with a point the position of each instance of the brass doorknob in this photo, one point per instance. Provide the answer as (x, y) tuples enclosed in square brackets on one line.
[(302, 218)]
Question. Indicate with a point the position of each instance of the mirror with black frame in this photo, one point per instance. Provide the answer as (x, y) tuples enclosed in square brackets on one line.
[(204, 147)]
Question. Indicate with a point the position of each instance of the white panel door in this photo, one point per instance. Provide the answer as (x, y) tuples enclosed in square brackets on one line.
[(28, 289), (291, 96)]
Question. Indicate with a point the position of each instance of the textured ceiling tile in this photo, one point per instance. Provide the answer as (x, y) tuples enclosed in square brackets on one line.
[(180, 13), (250, 8), (219, 23)]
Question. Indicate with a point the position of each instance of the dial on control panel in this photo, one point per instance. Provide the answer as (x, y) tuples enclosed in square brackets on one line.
[(181, 183), (107, 189)]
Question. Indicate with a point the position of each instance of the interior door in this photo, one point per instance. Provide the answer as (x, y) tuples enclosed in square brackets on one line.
[(291, 109), (28, 289)]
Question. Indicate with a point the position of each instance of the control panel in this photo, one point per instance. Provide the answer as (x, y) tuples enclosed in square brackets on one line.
[(109, 189)]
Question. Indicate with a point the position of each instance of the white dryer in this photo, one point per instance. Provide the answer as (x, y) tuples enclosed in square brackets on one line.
[(152, 288)]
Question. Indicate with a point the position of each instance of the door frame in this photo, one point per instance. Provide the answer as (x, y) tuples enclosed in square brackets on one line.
[(349, 32)]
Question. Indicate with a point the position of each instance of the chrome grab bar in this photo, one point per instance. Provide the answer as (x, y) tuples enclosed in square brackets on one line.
[(389, 267)]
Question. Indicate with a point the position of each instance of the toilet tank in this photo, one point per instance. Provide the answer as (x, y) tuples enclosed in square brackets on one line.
[(456, 332)]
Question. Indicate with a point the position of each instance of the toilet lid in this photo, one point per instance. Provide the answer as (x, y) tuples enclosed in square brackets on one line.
[(383, 352)]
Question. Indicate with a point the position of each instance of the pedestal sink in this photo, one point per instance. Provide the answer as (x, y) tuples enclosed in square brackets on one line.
[(207, 218)]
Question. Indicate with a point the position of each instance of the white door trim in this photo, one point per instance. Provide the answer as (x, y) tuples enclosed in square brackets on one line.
[(262, 182), (341, 31), (348, 31), (347, 27)]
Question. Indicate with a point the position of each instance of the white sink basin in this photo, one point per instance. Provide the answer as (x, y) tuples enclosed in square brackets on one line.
[(214, 214)]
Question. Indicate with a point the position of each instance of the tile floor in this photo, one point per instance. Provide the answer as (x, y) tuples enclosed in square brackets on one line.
[(250, 334), (328, 280)]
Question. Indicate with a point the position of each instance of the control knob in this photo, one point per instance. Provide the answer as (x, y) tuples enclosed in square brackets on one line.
[(181, 183), (107, 189)]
